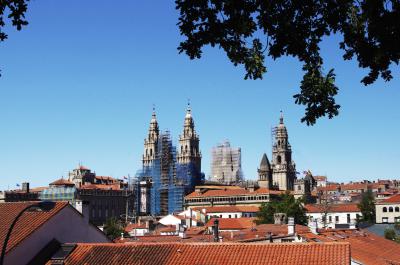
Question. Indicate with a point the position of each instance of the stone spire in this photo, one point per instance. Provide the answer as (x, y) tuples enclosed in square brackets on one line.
[(189, 142), (284, 172), (150, 143), (264, 173)]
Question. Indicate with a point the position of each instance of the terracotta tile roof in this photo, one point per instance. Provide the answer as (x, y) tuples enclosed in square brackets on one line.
[(392, 199), (354, 186), (320, 178), (105, 178), (329, 188), (62, 182), (26, 224), (38, 189), (232, 192), (100, 187), (228, 209), (233, 223), (210, 253), (130, 227), (167, 229), (333, 208), (366, 247)]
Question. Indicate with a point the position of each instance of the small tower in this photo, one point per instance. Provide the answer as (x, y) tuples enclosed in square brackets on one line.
[(264, 173), (150, 143), (283, 168)]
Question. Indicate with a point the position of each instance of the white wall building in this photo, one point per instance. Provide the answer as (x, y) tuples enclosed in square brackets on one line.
[(338, 215), (388, 210)]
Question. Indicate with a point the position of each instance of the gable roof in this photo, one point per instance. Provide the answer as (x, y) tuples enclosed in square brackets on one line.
[(333, 208), (62, 182), (210, 253), (28, 223)]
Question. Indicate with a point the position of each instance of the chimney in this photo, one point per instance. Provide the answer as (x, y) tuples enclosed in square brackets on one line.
[(291, 226), (269, 236), (25, 187), (216, 230), (191, 216), (314, 227), (279, 218)]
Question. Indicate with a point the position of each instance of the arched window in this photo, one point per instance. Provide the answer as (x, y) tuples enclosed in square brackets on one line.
[(279, 143), (146, 152), (185, 148), (181, 149), (279, 159), (151, 151), (391, 209), (384, 209), (396, 209)]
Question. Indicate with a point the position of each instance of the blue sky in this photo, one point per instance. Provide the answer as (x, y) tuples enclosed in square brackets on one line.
[(78, 84)]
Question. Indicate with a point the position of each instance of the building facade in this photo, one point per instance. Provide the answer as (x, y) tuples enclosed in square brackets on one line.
[(226, 164), (281, 174), (387, 211)]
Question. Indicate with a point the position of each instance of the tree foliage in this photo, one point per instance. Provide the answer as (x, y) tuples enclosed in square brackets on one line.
[(14, 11), (113, 228), (250, 30), (286, 203), (367, 207)]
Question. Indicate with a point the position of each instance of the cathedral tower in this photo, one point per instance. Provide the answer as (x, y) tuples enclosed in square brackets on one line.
[(283, 168), (189, 151), (151, 142)]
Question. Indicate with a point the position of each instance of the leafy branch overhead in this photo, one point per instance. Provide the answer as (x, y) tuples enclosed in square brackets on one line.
[(14, 10), (250, 30)]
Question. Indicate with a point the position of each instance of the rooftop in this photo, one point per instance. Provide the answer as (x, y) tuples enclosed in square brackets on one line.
[(210, 253), (228, 209), (233, 223), (392, 199), (333, 208), (29, 222), (366, 247)]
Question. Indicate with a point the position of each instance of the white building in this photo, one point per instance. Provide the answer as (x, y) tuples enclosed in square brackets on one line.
[(337, 215), (228, 211), (388, 210)]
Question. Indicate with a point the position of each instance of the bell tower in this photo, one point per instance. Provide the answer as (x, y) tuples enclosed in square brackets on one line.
[(188, 151), (283, 168), (151, 142)]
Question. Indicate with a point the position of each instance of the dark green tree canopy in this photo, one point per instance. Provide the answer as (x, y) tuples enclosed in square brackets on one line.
[(287, 204), (367, 207), (250, 30)]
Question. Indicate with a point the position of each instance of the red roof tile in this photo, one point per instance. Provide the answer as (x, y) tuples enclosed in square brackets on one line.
[(393, 199), (62, 182), (210, 253), (232, 223), (232, 192), (333, 208), (26, 224), (100, 187), (366, 247), (130, 227), (228, 209)]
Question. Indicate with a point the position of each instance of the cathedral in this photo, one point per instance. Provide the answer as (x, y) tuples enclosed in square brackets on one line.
[(281, 173), (168, 173)]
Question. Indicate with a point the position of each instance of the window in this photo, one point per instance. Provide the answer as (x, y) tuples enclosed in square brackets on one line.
[(230, 216), (385, 220), (298, 187), (391, 209), (348, 218), (397, 219), (337, 219), (220, 216), (330, 219), (235, 215), (279, 159), (396, 209), (384, 209)]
